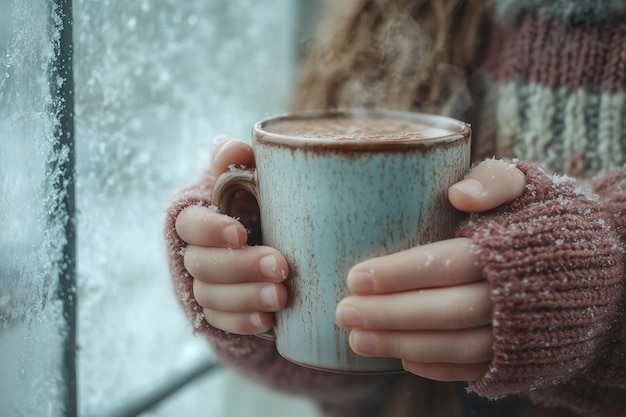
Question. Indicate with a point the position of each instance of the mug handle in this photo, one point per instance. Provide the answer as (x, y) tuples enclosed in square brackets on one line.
[(227, 184)]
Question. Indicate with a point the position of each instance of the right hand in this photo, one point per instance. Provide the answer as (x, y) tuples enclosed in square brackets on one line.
[(238, 286)]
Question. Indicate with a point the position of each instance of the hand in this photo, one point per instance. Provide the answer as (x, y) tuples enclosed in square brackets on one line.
[(238, 286), (430, 305)]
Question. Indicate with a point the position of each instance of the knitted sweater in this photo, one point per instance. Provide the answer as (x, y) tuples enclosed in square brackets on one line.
[(549, 93)]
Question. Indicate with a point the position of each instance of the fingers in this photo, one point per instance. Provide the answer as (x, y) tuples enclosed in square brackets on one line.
[(202, 226), (489, 185), (428, 306), (470, 346), (458, 307), (239, 323), (240, 298), (238, 288), (228, 151), (440, 264), (227, 266)]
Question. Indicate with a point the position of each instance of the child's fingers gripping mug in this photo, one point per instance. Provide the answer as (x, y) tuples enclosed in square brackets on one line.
[(336, 188)]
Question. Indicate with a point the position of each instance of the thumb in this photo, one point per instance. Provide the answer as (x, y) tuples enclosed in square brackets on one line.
[(489, 185)]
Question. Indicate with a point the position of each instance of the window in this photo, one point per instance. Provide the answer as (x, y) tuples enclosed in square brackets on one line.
[(106, 109)]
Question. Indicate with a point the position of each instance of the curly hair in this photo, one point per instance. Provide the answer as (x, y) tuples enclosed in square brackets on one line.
[(394, 54)]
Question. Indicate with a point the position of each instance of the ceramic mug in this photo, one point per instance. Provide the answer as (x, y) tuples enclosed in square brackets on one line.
[(335, 188)]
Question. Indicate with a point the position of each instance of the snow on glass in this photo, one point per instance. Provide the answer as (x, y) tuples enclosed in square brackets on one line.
[(32, 328), (155, 82)]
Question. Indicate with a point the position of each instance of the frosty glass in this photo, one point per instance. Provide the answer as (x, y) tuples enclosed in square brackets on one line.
[(156, 82), (33, 329)]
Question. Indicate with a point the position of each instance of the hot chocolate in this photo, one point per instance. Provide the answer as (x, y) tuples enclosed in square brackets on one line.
[(355, 129)]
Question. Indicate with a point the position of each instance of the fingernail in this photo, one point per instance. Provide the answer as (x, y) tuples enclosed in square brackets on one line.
[(365, 343), (361, 282), (269, 267), (269, 298), (350, 317), (231, 235), (470, 186), (255, 319)]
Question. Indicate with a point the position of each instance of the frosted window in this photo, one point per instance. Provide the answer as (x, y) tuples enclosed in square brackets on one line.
[(33, 330), (155, 81)]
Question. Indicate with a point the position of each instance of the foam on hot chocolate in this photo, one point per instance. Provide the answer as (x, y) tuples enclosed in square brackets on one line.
[(355, 129)]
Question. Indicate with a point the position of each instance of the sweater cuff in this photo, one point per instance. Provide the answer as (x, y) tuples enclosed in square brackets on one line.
[(197, 194), (553, 266)]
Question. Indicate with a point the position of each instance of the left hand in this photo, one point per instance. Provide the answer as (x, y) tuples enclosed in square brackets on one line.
[(430, 305)]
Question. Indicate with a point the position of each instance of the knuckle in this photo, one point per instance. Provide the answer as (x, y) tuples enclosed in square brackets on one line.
[(233, 323), (403, 350), (466, 351), (455, 315), (237, 298), (474, 348), (487, 166), (401, 347)]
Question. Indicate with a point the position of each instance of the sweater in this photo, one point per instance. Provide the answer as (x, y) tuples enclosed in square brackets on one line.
[(548, 93)]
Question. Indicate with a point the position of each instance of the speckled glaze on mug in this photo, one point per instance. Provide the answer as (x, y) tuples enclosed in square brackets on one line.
[(327, 205)]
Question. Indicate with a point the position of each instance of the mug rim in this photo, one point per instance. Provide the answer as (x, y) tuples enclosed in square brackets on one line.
[(458, 128)]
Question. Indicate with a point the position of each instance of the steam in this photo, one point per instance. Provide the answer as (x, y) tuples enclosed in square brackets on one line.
[(401, 55)]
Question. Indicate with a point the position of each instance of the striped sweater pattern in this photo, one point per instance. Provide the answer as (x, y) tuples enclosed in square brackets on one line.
[(571, 63)]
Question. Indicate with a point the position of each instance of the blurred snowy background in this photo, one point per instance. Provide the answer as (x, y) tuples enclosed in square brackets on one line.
[(155, 82)]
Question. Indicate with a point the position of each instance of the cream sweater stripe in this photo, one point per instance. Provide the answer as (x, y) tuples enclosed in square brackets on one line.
[(583, 133)]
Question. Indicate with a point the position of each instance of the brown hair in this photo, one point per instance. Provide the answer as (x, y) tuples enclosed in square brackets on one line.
[(394, 54)]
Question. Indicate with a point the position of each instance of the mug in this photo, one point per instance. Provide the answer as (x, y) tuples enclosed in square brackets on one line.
[(335, 188)]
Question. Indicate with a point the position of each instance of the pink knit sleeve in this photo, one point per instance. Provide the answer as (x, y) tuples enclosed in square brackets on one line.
[(555, 263), (253, 356)]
